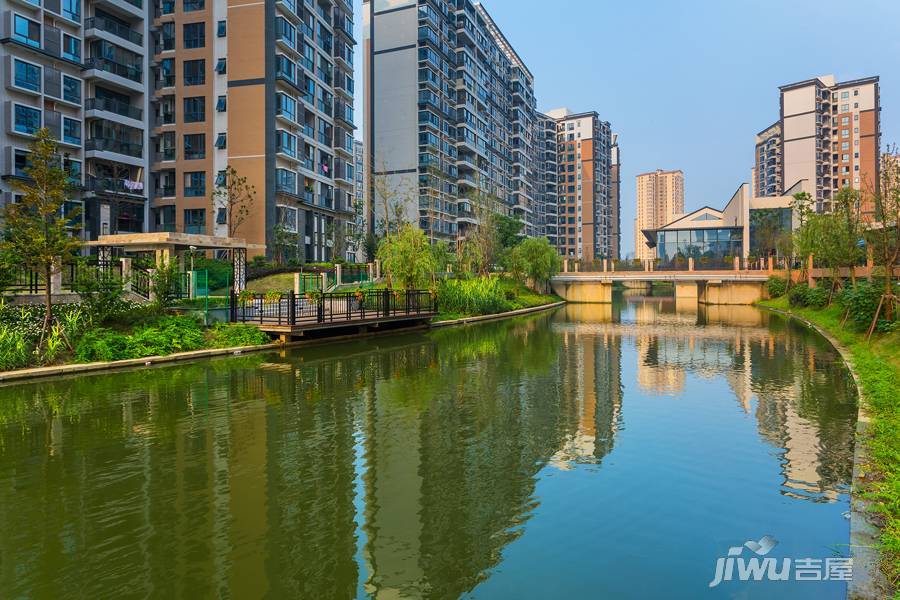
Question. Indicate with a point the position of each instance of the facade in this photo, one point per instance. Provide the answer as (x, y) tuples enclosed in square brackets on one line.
[(716, 237), (450, 118), (152, 102), (768, 167), (358, 227), (271, 96), (546, 178), (585, 215), (79, 68), (660, 200), (615, 199), (831, 135)]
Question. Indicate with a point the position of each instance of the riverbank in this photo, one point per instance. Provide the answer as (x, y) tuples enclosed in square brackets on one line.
[(74, 368), (876, 367)]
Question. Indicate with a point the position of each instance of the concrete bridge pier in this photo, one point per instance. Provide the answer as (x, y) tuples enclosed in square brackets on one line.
[(594, 291), (730, 292), (686, 290)]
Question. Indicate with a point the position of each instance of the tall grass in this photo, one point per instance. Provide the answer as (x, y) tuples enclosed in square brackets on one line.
[(479, 296)]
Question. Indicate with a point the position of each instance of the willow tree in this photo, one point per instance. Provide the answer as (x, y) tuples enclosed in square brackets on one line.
[(37, 229)]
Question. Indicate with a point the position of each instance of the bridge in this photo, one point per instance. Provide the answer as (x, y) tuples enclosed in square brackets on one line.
[(706, 284)]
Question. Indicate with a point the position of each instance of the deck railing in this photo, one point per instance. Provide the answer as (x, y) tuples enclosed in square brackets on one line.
[(314, 308)]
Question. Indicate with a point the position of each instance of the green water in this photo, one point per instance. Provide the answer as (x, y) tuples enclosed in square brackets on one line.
[(598, 451)]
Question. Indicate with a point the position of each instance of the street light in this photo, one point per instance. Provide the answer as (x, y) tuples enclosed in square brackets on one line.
[(192, 249)]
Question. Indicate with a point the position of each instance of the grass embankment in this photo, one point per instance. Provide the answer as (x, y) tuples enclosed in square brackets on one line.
[(877, 364)]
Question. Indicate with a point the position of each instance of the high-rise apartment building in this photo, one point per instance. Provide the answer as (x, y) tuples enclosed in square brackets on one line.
[(79, 68), (266, 88), (828, 133), (546, 178), (615, 199), (660, 200), (767, 169), (450, 117), (584, 147)]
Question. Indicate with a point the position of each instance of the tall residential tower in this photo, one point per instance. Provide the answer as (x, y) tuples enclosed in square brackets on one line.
[(660, 200)]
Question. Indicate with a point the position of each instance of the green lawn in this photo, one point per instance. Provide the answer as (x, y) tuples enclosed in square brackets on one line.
[(877, 363)]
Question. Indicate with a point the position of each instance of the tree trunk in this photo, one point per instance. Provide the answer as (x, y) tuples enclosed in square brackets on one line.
[(48, 299), (889, 292)]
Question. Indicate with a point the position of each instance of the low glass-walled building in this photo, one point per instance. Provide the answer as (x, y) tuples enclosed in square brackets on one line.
[(746, 227)]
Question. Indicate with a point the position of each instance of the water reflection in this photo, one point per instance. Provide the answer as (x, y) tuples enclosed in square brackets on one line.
[(400, 467)]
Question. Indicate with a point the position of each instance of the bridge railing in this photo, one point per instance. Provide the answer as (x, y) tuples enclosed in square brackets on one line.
[(297, 310)]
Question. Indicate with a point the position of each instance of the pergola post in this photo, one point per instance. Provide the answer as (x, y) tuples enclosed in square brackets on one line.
[(239, 269)]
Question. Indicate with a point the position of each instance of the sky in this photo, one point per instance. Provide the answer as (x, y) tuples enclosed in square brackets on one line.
[(687, 84)]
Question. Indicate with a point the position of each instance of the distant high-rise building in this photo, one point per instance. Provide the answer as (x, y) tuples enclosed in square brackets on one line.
[(615, 199), (357, 228), (830, 135), (660, 199), (546, 178), (768, 167), (584, 143)]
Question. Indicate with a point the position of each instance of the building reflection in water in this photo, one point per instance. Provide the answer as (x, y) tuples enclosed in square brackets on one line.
[(397, 468)]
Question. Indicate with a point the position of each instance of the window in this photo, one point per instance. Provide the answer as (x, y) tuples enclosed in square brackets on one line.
[(71, 89), (27, 120), (194, 72), (21, 164), (167, 72), (845, 95), (27, 31), (856, 92), (71, 131), (195, 184), (168, 35), (194, 146), (73, 168), (221, 104), (192, 5), (194, 35), (220, 66), (845, 107), (71, 9), (71, 48), (195, 220), (27, 76), (220, 141), (220, 29), (195, 109), (286, 106), (286, 217)]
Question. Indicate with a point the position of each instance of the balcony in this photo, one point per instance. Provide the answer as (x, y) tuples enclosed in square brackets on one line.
[(113, 186), (113, 106), (100, 144), (110, 26), (132, 73), (129, 9), (165, 155)]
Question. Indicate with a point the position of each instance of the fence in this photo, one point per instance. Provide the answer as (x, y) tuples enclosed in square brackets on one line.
[(26, 281), (330, 308), (104, 273)]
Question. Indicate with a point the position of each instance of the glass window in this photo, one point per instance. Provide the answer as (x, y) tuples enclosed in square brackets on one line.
[(71, 48), (195, 109), (221, 104), (194, 72), (27, 119), (71, 89), (27, 31), (71, 9), (195, 184), (27, 76), (221, 141), (221, 66), (194, 35), (21, 164), (193, 5), (221, 29), (195, 146), (71, 131), (195, 220)]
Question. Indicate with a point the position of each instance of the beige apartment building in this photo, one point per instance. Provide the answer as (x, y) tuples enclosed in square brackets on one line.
[(660, 200), (830, 135)]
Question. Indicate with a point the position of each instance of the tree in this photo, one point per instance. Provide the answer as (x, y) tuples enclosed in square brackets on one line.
[(803, 242), (485, 206), (236, 197), (392, 193), (39, 232), (884, 233), (765, 227), (336, 231), (541, 260), (442, 255), (509, 230), (515, 264), (847, 209), (407, 257), (285, 245)]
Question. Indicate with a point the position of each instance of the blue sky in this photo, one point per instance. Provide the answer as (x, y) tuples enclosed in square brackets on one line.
[(687, 84)]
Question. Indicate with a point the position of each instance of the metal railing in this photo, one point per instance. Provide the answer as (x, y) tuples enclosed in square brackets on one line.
[(75, 274), (27, 281), (289, 309)]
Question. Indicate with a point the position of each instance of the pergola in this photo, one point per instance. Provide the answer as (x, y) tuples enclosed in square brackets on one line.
[(169, 245)]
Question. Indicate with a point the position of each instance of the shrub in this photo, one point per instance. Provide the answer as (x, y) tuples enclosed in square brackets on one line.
[(777, 286), (101, 344), (479, 296), (167, 336), (231, 335), (797, 295), (100, 294), (218, 272), (861, 300), (817, 297)]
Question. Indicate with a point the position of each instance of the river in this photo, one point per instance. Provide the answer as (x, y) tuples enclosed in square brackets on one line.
[(612, 451)]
